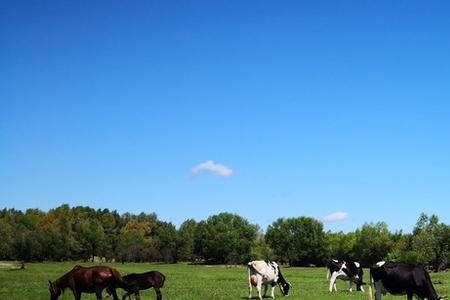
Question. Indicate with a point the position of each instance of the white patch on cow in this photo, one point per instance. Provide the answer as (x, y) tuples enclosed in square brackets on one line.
[(357, 264), (380, 263), (335, 260)]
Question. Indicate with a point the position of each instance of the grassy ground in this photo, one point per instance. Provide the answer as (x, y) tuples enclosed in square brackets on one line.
[(185, 282)]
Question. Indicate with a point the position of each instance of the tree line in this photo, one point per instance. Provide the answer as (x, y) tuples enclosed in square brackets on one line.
[(83, 233)]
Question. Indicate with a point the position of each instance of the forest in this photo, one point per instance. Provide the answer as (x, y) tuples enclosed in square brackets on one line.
[(83, 233)]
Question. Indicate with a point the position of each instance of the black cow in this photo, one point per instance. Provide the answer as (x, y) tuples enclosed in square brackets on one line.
[(351, 271), (401, 279)]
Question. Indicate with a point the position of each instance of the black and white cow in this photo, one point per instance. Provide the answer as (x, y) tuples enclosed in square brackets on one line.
[(265, 272), (351, 271), (401, 279)]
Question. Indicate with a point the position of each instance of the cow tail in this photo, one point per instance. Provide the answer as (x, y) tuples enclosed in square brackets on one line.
[(370, 286), (249, 266)]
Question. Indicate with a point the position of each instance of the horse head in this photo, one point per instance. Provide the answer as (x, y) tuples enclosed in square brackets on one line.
[(54, 290)]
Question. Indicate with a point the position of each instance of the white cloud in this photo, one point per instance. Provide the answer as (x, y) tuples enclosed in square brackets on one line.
[(215, 168), (336, 216)]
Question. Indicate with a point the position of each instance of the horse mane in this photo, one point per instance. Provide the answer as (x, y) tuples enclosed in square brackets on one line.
[(76, 267), (62, 282)]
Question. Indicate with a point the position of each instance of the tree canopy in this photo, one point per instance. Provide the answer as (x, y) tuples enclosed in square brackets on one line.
[(83, 233)]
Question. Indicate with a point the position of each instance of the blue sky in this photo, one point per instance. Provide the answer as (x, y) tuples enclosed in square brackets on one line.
[(263, 108)]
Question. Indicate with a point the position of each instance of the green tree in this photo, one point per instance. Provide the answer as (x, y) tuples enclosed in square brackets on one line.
[(341, 245), (299, 241), (373, 243), (110, 223), (134, 244), (431, 240), (92, 238), (261, 249), (185, 246), (6, 239), (166, 240), (224, 238)]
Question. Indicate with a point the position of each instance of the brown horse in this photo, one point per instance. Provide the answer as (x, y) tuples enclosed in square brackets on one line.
[(142, 281), (88, 280)]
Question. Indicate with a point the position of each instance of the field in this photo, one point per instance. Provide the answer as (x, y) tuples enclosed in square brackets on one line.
[(189, 282)]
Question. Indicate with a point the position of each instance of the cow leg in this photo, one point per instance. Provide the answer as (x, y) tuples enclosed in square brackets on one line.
[(258, 288), (265, 291), (272, 292), (350, 289), (250, 287), (158, 294), (333, 282), (378, 285), (409, 296), (137, 295)]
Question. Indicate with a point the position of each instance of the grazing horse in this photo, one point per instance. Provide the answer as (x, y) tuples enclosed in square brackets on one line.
[(88, 280), (143, 281)]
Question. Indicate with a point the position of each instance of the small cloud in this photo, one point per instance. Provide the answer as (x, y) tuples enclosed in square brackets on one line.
[(214, 168), (337, 216)]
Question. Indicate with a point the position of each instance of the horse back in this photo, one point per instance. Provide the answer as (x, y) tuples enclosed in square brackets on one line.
[(146, 280), (88, 279)]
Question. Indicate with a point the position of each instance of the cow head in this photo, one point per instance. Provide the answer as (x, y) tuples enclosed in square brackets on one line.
[(284, 287)]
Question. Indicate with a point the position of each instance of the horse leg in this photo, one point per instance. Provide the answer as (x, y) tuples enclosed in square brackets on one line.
[(77, 295), (114, 294), (158, 294), (128, 295), (98, 293)]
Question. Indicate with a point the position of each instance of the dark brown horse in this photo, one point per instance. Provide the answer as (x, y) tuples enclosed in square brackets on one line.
[(143, 281), (88, 280)]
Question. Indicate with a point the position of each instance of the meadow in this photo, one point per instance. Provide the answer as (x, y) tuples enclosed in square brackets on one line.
[(185, 282)]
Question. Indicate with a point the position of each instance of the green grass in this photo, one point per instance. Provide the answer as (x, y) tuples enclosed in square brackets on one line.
[(185, 282)]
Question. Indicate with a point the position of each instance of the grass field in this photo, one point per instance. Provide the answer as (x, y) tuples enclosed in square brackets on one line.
[(189, 282)]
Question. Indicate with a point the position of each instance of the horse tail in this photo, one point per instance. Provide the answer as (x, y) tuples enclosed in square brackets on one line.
[(163, 279)]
